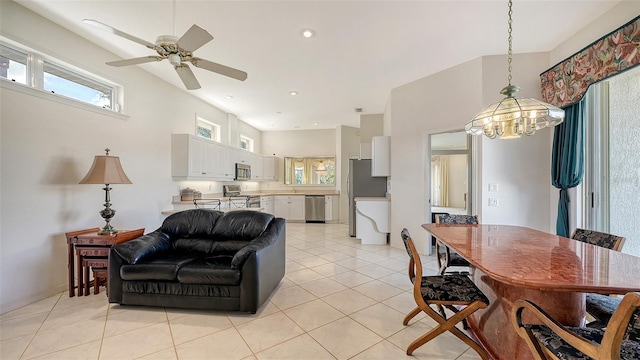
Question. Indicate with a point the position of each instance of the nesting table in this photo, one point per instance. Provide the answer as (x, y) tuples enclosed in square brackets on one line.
[(88, 249)]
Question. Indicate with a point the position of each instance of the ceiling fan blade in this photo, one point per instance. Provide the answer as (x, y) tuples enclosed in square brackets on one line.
[(135, 61), (186, 75), (219, 68), (194, 38), (115, 31)]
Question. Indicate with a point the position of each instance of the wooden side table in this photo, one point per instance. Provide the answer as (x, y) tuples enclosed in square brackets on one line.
[(88, 244)]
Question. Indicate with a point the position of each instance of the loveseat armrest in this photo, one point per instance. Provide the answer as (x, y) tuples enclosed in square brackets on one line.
[(144, 247), (262, 264), (131, 252)]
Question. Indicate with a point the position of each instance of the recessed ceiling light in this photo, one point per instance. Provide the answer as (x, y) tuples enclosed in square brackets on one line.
[(308, 33), (293, 93), (229, 97), (316, 123)]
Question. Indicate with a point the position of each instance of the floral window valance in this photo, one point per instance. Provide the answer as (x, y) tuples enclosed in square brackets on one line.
[(567, 82)]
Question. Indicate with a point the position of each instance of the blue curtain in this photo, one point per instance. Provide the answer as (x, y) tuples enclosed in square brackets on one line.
[(567, 160)]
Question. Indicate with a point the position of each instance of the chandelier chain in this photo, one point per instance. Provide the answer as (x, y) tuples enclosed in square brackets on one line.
[(510, 58)]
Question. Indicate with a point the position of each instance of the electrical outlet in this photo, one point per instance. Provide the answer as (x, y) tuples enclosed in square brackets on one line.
[(493, 187), (493, 202)]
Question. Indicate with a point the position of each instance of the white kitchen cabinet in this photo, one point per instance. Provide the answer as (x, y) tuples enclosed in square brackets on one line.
[(270, 168), (192, 157), (225, 169), (289, 207), (380, 156), (331, 203), (255, 160), (266, 203)]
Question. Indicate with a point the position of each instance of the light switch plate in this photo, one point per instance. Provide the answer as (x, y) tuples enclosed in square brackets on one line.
[(493, 202), (493, 187)]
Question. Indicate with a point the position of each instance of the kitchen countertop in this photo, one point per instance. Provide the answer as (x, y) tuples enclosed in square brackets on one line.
[(170, 212), (372, 198), (222, 198)]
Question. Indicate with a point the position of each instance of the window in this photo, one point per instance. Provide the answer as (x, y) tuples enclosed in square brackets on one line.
[(319, 170), (61, 81), (39, 72), (13, 65), (246, 143), (207, 129)]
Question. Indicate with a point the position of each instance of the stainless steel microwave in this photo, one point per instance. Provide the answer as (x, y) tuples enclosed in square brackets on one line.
[(243, 172)]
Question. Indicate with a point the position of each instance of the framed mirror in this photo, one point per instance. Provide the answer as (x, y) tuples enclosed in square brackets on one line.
[(311, 170)]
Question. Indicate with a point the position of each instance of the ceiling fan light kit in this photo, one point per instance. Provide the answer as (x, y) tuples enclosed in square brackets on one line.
[(179, 52), (511, 117)]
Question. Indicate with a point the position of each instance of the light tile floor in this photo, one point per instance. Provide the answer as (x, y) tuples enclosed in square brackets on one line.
[(339, 300)]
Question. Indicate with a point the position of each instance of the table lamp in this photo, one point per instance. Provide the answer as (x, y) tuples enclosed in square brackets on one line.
[(106, 170)]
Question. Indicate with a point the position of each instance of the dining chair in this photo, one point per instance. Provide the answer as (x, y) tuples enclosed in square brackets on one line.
[(445, 256), (600, 306), (550, 339), (456, 292)]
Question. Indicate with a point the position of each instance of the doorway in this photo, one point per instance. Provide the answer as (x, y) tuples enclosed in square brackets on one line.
[(450, 190)]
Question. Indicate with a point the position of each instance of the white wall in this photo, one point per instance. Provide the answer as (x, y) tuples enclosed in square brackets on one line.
[(521, 167), (624, 163), (416, 110), (48, 146)]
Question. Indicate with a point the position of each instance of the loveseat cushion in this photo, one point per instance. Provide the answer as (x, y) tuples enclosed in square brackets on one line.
[(241, 225), (206, 247), (165, 268), (197, 223), (210, 270)]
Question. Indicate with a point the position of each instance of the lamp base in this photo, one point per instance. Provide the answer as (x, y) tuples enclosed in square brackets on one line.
[(107, 230)]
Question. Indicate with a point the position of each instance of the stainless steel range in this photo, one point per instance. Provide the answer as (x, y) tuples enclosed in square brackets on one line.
[(236, 200)]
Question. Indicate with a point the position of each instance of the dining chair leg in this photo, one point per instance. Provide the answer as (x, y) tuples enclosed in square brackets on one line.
[(448, 325), (411, 315)]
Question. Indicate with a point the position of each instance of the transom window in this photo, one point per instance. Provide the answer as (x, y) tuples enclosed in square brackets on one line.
[(246, 143), (43, 73), (207, 129)]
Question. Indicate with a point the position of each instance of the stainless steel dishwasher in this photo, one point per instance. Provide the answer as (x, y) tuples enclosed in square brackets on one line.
[(314, 208)]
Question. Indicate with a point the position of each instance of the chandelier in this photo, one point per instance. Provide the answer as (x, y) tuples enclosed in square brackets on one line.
[(512, 116)]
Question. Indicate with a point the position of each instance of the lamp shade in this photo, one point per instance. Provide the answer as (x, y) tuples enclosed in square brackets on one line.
[(106, 170)]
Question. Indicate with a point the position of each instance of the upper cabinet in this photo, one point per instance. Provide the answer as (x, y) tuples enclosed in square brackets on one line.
[(381, 156), (270, 168), (196, 158)]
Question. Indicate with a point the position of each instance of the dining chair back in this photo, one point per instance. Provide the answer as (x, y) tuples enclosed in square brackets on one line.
[(547, 338), (600, 306), (456, 292), (445, 256)]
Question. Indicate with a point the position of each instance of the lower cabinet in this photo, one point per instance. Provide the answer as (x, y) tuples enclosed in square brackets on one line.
[(289, 207), (331, 208), (266, 203)]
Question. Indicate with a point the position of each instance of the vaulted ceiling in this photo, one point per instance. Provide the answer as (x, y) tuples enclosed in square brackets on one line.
[(361, 49)]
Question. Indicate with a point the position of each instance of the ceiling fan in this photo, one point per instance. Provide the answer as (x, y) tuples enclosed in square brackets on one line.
[(179, 52)]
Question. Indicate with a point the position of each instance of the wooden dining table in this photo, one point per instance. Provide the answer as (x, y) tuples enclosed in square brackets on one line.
[(513, 262)]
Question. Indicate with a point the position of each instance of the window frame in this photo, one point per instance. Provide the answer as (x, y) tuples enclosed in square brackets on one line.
[(249, 141), (35, 74), (215, 128)]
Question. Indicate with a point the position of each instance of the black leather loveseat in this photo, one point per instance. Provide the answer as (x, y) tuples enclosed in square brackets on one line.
[(201, 259)]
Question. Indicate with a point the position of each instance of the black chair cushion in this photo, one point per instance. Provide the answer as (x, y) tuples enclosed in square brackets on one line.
[(629, 349), (165, 268), (456, 260), (601, 307), (210, 270), (454, 289)]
